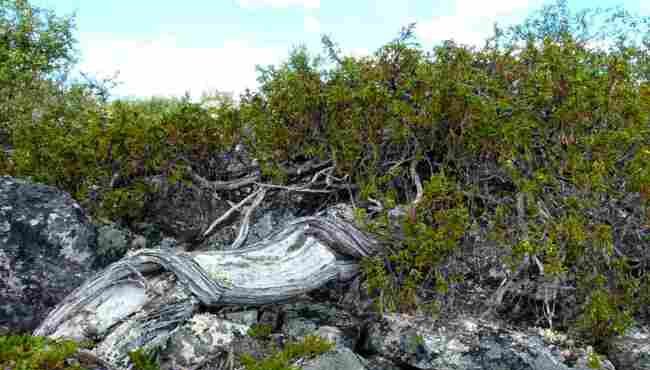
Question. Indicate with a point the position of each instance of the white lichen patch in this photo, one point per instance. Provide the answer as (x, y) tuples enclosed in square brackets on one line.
[(66, 240), (456, 345), (552, 336), (112, 348), (188, 353), (215, 331)]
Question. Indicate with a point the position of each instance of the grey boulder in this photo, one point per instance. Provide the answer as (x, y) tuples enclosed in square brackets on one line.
[(338, 359), (632, 351), (467, 344), (47, 249)]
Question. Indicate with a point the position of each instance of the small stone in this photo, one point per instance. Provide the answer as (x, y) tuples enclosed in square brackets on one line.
[(139, 242), (243, 317)]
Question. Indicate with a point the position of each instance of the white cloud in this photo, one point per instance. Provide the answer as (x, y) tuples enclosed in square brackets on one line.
[(357, 52), (307, 4), (312, 24), (161, 67), (471, 21)]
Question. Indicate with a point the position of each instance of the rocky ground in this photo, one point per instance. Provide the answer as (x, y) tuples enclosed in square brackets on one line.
[(49, 247)]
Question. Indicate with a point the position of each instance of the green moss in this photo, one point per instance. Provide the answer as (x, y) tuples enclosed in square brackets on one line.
[(260, 331), (310, 347), (142, 360), (24, 352)]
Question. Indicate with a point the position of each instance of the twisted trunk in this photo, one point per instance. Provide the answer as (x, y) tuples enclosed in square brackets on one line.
[(141, 299)]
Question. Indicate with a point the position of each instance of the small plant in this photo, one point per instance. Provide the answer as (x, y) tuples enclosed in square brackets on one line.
[(260, 331), (143, 361), (310, 347), (603, 318), (594, 361), (25, 352)]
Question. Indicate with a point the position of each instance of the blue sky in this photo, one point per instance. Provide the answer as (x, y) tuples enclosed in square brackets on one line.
[(167, 47)]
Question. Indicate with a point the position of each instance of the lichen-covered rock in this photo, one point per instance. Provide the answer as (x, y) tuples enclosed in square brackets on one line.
[(632, 351), (247, 317), (337, 336), (201, 339), (112, 243), (465, 344), (47, 249), (338, 359), (380, 363), (304, 318), (183, 211)]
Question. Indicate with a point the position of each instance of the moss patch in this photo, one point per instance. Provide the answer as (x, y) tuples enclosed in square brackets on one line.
[(25, 352), (310, 347)]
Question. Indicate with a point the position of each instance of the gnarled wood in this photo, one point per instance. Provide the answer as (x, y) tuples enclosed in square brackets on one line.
[(140, 299)]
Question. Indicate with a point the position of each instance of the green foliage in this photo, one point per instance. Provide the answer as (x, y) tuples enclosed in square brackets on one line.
[(25, 352), (429, 234), (594, 361), (286, 116), (260, 331), (309, 347), (141, 360), (103, 153), (36, 49), (604, 317)]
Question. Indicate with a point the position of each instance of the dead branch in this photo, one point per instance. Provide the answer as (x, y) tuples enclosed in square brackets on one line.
[(418, 183), (224, 185), (245, 226), (227, 214)]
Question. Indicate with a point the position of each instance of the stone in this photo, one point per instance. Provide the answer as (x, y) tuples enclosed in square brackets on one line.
[(462, 344), (47, 249), (336, 336), (138, 242), (632, 351), (338, 359), (182, 211), (248, 317), (112, 243), (200, 339), (304, 318)]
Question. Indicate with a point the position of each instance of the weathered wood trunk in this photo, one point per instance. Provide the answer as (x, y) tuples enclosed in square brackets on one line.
[(139, 300)]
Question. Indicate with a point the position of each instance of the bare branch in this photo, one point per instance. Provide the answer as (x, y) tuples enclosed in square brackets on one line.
[(230, 212), (306, 168), (224, 185), (417, 181), (304, 188), (293, 188), (245, 226)]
